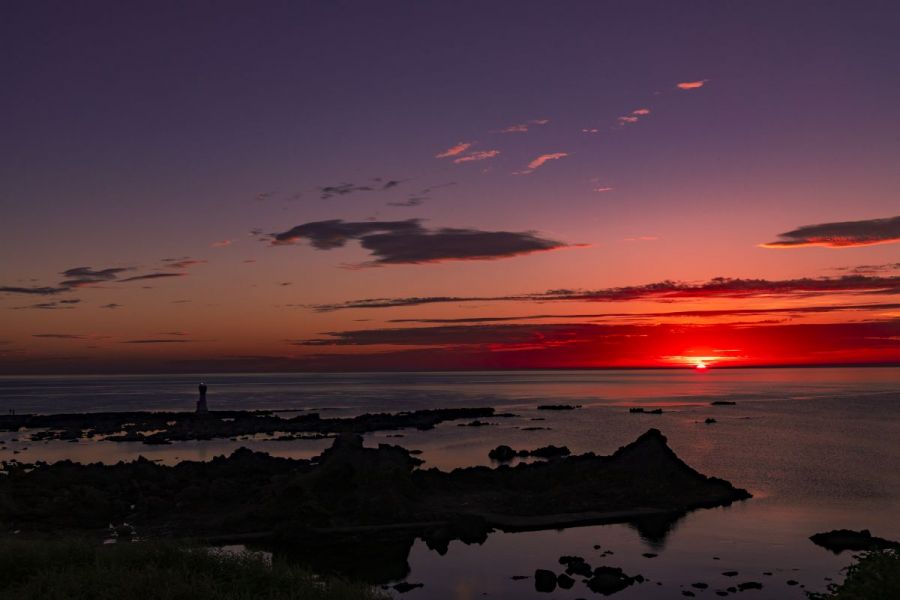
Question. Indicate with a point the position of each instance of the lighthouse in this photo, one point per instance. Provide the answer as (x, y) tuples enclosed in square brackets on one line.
[(202, 409)]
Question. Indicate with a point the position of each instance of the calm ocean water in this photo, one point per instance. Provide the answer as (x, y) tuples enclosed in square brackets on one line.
[(818, 448)]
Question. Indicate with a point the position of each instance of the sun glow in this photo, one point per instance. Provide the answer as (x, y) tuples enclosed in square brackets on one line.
[(700, 363)]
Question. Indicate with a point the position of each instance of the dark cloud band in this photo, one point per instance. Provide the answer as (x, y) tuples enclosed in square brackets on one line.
[(407, 242), (841, 234), (719, 287)]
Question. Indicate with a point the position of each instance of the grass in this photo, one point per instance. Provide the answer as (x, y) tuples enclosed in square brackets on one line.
[(875, 576), (76, 569)]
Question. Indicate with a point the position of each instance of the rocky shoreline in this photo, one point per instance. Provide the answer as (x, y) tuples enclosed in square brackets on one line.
[(167, 427), (351, 488)]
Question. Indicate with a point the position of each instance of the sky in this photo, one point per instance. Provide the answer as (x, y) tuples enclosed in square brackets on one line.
[(313, 186)]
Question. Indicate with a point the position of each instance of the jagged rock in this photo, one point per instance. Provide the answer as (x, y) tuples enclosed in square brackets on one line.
[(710, 421), (404, 587)]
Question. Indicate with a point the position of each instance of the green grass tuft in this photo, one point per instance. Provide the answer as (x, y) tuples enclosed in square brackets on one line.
[(75, 570)]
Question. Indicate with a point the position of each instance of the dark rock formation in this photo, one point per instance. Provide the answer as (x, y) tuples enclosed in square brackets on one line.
[(502, 453), (354, 506), (544, 580), (169, 427), (722, 403), (576, 565), (645, 411), (609, 580), (839, 540), (550, 451)]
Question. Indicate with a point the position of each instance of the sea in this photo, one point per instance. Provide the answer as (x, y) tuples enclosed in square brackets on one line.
[(819, 449)]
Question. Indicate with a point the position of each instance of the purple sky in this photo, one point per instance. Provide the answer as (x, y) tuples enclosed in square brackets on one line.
[(144, 131)]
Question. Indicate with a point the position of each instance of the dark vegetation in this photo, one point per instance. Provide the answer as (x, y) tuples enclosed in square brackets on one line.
[(875, 576), (76, 569)]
